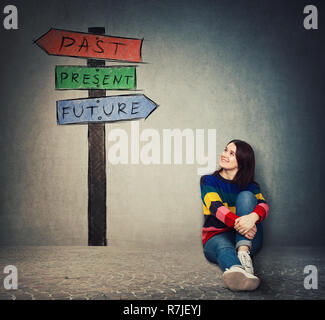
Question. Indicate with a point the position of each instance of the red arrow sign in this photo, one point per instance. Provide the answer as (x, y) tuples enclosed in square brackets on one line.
[(88, 45)]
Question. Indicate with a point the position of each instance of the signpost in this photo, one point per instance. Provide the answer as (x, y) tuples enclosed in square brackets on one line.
[(108, 78), (107, 109), (96, 169), (98, 108), (90, 45)]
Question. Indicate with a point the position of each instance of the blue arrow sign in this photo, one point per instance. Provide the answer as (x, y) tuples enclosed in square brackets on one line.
[(105, 109)]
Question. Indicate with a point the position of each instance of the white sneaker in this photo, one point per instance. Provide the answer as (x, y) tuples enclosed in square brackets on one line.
[(237, 279), (246, 261)]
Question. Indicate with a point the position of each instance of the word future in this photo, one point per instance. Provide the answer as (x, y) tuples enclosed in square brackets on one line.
[(11, 20)]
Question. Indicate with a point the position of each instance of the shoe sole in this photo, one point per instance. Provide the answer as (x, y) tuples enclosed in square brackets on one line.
[(237, 281)]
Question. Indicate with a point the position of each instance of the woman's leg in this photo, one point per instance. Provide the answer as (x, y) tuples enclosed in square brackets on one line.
[(257, 241), (245, 204), (220, 249)]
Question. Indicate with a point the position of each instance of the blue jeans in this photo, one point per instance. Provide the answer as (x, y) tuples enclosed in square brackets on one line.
[(221, 248)]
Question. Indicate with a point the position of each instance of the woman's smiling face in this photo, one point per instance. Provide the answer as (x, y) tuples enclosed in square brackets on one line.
[(228, 160)]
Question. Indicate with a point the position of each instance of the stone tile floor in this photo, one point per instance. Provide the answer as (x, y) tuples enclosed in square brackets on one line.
[(130, 272)]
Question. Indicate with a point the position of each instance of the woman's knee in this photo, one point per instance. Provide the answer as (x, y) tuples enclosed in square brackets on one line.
[(246, 195), (246, 201)]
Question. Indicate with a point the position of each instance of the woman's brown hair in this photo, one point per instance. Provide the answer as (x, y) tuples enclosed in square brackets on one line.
[(246, 163)]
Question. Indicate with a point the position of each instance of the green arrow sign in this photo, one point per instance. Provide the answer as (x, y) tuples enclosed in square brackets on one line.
[(108, 78)]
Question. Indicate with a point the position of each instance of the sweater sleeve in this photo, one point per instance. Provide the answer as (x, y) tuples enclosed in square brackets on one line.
[(212, 204), (262, 208)]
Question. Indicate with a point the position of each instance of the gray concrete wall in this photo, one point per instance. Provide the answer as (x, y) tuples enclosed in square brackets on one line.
[(247, 69)]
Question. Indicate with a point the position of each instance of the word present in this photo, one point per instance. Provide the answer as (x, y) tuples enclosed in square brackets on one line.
[(108, 78)]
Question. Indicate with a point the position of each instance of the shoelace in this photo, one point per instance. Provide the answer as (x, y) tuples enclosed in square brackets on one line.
[(246, 261)]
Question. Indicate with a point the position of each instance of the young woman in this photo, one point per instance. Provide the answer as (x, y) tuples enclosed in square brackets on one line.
[(233, 208)]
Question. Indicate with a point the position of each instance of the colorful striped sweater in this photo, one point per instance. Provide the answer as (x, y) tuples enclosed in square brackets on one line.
[(219, 204)]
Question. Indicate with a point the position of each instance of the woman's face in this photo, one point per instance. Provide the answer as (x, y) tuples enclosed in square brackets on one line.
[(228, 158)]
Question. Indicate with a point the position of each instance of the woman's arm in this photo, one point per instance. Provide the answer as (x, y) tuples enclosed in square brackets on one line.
[(262, 208), (213, 204), (245, 223)]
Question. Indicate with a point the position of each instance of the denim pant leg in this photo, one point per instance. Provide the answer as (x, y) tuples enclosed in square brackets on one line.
[(245, 204), (220, 249)]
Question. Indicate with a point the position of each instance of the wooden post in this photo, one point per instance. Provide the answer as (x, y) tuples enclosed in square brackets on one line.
[(123, 49), (96, 168)]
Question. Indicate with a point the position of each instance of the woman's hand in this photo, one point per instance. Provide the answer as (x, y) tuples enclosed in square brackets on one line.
[(250, 234), (245, 223)]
